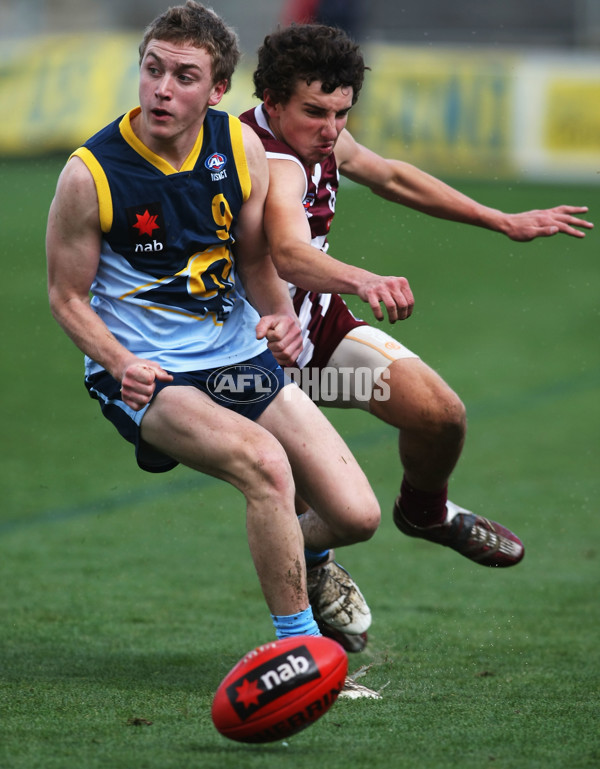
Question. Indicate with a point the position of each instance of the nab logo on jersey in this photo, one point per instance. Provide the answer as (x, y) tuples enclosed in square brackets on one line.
[(216, 165), (147, 230)]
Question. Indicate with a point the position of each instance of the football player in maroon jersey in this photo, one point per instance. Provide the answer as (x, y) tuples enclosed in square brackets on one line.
[(308, 78)]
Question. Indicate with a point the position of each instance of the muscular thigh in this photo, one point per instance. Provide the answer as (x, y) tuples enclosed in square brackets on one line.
[(360, 360), (327, 475), (187, 425)]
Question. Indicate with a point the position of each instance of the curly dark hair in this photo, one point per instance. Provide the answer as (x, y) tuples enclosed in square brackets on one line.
[(196, 25), (308, 52)]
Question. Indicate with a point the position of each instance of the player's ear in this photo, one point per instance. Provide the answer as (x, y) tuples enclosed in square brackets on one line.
[(270, 102), (217, 93)]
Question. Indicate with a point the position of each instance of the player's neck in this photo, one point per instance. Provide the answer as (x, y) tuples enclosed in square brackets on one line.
[(174, 149)]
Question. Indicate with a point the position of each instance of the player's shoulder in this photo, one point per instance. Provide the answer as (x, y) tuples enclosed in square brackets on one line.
[(75, 179), (255, 152), (249, 117), (257, 120), (75, 202)]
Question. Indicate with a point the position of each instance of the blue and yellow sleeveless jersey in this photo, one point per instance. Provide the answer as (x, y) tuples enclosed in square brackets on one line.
[(166, 284)]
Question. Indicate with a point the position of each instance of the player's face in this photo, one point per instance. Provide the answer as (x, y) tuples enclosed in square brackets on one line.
[(311, 122), (176, 89)]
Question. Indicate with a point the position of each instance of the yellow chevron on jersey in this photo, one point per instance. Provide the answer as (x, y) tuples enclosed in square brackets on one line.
[(163, 165)]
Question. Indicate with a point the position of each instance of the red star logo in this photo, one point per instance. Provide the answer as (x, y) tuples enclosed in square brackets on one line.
[(248, 693), (146, 223)]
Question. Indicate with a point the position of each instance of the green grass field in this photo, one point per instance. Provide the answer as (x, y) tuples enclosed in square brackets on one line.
[(127, 597)]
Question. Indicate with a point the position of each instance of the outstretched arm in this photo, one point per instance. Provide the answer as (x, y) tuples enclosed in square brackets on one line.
[(406, 184)]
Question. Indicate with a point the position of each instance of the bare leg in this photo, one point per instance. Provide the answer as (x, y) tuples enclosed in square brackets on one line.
[(343, 508), (431, 420), (188, 426), (432, 424)]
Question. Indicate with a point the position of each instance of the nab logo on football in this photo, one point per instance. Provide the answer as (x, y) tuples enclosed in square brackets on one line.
[(280, 688), (216, 165), (270, 681)]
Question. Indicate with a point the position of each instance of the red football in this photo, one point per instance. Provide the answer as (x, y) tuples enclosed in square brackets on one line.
[(279, 688)]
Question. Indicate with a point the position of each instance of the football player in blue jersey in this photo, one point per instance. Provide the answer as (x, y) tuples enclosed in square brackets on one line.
[(159, 219)]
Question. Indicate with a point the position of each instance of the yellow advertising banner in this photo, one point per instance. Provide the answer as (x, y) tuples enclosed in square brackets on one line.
[(573, 116), (481, 113), (439, 108), (61, 89)]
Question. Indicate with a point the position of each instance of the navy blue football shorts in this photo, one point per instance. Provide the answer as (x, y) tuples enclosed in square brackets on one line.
[(246, 388)]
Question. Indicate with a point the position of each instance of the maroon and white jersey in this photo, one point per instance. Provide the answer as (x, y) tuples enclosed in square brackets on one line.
[(325, 318)]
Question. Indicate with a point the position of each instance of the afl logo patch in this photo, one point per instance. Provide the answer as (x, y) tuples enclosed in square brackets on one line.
[(216, 162), (308, 201)]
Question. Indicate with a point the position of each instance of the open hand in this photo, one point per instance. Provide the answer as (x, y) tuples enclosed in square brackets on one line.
[(544, 223)]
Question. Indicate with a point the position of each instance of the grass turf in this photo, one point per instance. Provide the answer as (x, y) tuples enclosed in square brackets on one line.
[(126, 597)]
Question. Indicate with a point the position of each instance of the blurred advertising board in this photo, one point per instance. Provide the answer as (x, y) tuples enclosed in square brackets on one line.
[(444, 110), (58, 90), (483, 113), (557, 117), (455, 111)]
